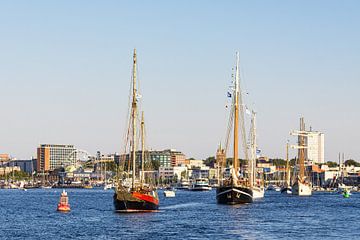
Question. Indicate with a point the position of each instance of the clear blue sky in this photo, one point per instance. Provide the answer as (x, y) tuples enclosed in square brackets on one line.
[(65, 70)]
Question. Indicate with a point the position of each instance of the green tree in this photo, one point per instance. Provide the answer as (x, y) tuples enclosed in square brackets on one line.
[(278, 162), (210, 161), (155, 164), (331, 164), (183, 174), (352, 162)]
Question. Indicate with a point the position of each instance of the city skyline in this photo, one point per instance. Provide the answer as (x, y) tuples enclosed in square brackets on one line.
[(65, 80)]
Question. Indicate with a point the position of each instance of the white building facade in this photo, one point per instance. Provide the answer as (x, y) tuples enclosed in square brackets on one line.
[(315, 147)]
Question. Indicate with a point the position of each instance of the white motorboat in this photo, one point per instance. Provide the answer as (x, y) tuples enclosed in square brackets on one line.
[(258, 192), (169, 192), (200, 184)]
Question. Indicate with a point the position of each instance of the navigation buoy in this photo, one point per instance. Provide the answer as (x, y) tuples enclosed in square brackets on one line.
[(63, 205)]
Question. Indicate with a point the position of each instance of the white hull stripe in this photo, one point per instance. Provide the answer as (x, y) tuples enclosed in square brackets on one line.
[(235, 190)]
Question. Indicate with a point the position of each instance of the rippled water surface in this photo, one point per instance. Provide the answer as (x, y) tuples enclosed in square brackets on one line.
[(190, 215)]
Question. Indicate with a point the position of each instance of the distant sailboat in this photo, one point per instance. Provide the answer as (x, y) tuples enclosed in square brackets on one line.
[(302, 185), (256, 183), (286, 188), (233, 189)]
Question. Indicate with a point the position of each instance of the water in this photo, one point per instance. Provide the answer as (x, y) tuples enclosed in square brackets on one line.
[(190, 215)]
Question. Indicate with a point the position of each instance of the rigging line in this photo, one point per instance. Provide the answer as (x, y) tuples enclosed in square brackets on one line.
[(242, 125), (229, 129), (126, 130)]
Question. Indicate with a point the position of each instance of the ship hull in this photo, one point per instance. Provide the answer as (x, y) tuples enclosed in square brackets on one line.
[(135, 202), (301, 189), (232, 195), (286, 190), (258, 192), (200, 189)]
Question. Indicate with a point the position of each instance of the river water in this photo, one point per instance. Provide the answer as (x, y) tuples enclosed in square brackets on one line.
[(190, 215)]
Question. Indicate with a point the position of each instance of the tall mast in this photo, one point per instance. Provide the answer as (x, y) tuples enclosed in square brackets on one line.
[(236, 116), (253, 150), (302, 149), (133, 116), (287, 173), (142, 146)]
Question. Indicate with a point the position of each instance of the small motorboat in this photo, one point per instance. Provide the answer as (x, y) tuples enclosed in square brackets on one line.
[(108, 186), (63, 205), (286, 190), (169, 192)]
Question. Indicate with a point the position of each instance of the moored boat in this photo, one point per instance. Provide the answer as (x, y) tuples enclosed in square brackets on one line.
[(258, 192), (286, 188), (256, 182), (183, 185), (169, 192), (200, 184), (302, 188)]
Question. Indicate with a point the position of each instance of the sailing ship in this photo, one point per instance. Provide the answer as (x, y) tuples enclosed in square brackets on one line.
[(302, 185), (286, 188), (234, 190), (256, 183), (136, 196)]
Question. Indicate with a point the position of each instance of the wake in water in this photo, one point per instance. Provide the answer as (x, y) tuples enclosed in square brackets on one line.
[(182, 205)]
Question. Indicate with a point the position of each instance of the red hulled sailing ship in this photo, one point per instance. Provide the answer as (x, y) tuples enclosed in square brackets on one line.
[(135, 195)]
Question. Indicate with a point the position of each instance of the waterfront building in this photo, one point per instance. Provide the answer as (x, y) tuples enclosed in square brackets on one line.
[(163, 157), (27, 165), (213, 174), (315, 147), (53, 156), (166, 173), (173, 173), (177, 157), (4, 158), (200, 172), (190, 163), (180, 172)]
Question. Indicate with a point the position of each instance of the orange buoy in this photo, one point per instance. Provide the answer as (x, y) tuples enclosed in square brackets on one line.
[(63, 205)]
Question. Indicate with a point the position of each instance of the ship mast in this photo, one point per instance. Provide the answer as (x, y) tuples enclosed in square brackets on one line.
[(133, 117), (287, 173), (236, 117), (302, 150), (142, 147), (253, 150)]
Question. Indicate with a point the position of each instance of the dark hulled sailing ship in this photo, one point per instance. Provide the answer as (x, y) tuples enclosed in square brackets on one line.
[(136, 196), (233, 189)]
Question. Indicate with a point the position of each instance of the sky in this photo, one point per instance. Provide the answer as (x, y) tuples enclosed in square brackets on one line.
[(65, 71)]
